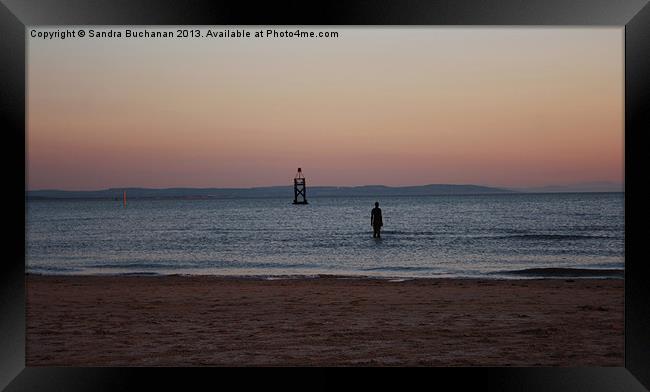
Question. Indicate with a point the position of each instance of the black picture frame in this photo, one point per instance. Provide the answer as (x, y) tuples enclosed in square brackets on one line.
[(634, 15)]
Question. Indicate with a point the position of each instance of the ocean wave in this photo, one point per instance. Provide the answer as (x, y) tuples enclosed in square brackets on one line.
[(559, 236), (51, 270), (413, 232), (178, 265), (539, 237), (398, 268), (145, 266), (566, 272), (510, 235)]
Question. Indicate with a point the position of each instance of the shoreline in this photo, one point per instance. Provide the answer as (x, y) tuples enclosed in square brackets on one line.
[(330, 321), (523, 274)]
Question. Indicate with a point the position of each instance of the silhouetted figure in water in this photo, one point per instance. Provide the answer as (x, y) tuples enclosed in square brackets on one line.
[(375, 221)]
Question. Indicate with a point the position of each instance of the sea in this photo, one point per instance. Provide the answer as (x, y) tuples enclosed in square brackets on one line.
[(500, 236)]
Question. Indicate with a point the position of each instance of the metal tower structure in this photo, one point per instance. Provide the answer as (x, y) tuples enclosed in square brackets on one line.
[(299, 188)]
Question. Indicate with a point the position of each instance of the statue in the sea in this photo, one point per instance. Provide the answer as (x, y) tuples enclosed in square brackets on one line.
[(376, 221)]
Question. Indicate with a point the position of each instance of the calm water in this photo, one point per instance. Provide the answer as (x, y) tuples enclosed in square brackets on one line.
[(433, 236)]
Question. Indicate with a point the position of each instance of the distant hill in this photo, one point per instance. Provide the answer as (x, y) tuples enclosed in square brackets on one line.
[(579, 187), (267, 192)]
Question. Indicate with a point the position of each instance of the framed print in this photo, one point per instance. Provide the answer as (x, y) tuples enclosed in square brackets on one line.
[(447, 185)]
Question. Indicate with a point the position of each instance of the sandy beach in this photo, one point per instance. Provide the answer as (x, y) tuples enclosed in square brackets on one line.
[(330, 321)]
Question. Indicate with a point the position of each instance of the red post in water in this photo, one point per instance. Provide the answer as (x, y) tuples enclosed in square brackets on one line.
[(124, 199)]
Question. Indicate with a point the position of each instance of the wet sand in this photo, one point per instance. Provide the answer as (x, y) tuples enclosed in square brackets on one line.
[(329, 321)]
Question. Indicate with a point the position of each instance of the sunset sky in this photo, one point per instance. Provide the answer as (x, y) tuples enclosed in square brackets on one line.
[(394, 106)]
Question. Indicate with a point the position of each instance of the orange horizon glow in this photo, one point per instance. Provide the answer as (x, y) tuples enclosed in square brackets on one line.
[(506, 107)]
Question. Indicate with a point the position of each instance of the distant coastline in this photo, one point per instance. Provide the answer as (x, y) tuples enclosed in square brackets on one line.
[(313, 192), (267, 192)]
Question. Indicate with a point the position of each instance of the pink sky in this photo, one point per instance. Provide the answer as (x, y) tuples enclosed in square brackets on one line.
[(393, 106)]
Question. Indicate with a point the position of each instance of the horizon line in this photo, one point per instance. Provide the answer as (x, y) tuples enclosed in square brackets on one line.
[(506, 187)]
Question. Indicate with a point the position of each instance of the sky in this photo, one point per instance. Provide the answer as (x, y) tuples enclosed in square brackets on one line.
[(512, 107)]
